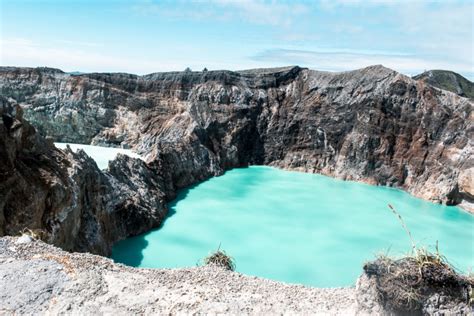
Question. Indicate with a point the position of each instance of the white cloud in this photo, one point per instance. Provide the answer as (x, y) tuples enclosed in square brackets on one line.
[(79, 43), (178, 11), (329, 4), (412, 36), (444, 29), (265, 12), (275, 13), (338, 60), (427, 27), (27, 53)]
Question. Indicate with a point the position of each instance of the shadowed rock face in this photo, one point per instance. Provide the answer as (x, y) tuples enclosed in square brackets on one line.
[(373, 124), (64, 197)]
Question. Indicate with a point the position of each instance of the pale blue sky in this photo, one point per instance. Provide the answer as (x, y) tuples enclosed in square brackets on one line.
[(144, 36)]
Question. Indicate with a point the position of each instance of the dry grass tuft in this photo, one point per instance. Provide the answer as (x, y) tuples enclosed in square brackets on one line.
[(38, 234), (406, 283)]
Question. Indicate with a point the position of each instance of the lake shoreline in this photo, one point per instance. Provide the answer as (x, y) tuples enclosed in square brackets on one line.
[(80, 283), (251, 212), (54, 281)]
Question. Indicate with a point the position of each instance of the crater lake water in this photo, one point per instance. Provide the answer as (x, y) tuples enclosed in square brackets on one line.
[(297, 227), (101, 155)]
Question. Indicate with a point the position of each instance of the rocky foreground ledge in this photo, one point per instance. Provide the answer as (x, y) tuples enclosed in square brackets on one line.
[(39, 278)]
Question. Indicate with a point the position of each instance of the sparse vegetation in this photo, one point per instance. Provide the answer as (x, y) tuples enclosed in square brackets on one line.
[(448, 80), (405, 284), (221, 259), (34, 233)]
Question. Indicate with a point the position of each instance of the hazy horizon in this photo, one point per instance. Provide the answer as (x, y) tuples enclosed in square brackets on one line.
[(147, 36), (200, 70)]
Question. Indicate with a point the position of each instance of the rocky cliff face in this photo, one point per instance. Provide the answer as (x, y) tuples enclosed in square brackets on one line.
[(63, 197), (373, 124)]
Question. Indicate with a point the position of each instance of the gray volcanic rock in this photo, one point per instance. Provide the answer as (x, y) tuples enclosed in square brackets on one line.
[(137, 196), (39, 278), (29, 286), (373, 124), (64, 198)]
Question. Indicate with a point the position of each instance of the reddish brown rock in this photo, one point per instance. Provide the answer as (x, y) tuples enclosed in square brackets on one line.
[(64, 198), (372, 125)]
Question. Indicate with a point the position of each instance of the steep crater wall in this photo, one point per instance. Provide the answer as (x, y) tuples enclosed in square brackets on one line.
[(373, 124), (62, 196)]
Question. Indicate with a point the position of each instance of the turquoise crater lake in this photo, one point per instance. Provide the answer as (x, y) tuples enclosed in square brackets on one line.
[(296, 227)]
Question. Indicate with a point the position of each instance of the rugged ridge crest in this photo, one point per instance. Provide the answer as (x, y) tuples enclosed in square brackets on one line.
[(373, 124)]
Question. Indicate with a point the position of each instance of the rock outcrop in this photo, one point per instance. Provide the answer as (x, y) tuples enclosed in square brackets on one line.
[(373, 124), (64, 198), (415, 285)]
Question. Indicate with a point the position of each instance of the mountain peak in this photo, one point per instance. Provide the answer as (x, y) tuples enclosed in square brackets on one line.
[(448, 80)]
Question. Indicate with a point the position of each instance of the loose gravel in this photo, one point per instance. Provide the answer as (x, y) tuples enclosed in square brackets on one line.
[(38, 278)]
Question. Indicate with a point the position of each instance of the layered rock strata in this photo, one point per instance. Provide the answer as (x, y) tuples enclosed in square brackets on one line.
[(64, 198), (373, 125)]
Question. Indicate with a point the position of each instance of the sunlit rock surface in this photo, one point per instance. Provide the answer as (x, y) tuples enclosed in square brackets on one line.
[(64, 198), (373, 124)]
